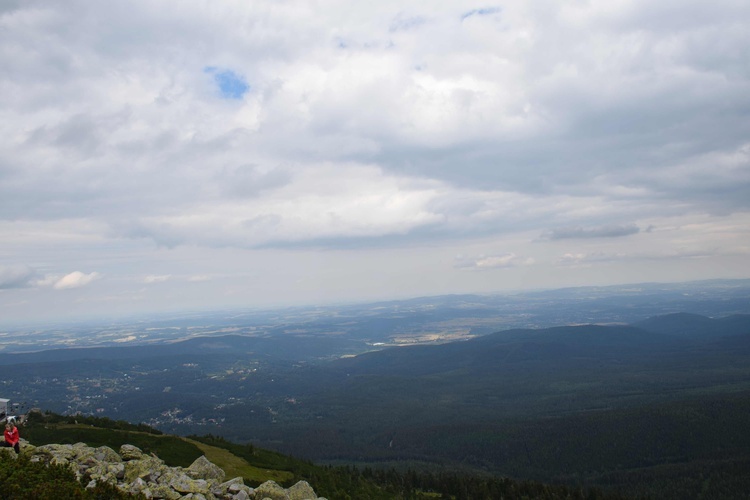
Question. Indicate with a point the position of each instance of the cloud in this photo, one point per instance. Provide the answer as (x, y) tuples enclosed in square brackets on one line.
[(18, 276), (250, 180), (576, 259), (491, 262), (322, 202), (157, 278), (585, 259), (536, 107), (199, 278), (404, 22), (610, 231), (75, 279), (131, 134)]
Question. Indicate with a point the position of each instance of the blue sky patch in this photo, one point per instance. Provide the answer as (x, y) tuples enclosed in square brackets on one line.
[(231, 85), (484, 11)]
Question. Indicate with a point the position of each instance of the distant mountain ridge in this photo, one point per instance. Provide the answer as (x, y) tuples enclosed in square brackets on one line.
[(581, 344), (696, 326), (624, 340), (280, 347)]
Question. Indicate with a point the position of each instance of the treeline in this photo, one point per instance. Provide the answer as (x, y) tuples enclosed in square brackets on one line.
[(49, 417), (44, 428), (585, 446), (413, 485), (351, 482), (333, 482), (689, 448)]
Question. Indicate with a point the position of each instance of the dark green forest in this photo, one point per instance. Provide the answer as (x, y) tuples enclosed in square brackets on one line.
[(22, 479)]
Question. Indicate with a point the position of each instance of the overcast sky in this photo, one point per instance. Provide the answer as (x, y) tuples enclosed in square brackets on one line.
[(190, 154)]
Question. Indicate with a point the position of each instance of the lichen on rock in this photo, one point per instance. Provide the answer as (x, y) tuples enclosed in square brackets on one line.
[(130, 452), (133, 471), (201, 468)]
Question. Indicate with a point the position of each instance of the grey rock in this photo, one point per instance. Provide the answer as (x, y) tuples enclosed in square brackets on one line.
[(130, 452), (138, 486), (193, 496), (117, 469), (302, 491), (201, 468), (182, 483), (132, 471), (272, 491), (163, 491), (106, 454), (145, 466), (233, 486)]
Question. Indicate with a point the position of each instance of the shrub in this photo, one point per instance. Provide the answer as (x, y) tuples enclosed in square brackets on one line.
[(22, 479)]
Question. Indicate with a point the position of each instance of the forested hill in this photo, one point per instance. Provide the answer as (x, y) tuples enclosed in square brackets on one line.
[(642, 410), (164, 466), (670, 338)]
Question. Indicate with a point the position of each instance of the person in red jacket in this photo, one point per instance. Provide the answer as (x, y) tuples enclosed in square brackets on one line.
[(11, 437)]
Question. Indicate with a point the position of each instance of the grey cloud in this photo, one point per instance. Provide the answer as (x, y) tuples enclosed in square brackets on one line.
[(587, 258), (457, 206), (255, 232), (612, 231), (18, 276), (262, 222), (648, 107), (10, 5), (164, 235), (644, 116), (250, 180), (622, 120), (610, 144), (79, 133)]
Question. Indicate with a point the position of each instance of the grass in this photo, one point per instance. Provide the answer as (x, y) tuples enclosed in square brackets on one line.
[(235, 466), (175, 451)]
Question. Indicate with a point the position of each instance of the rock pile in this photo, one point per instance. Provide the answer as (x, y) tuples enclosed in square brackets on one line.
[(133, 471)]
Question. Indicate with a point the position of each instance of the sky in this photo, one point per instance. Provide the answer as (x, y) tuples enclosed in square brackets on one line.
[(161, 156)]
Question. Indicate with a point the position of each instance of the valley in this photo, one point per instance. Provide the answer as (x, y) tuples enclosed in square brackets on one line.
[(644, 407)]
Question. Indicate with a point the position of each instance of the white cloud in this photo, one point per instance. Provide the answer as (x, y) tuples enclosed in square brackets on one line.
[(156, 278), (401, 125), (483, 262), (577, 259), (199, 278), (76, 279)]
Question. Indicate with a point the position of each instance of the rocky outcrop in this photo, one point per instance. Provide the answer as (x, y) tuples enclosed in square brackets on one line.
[(133, 471)]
